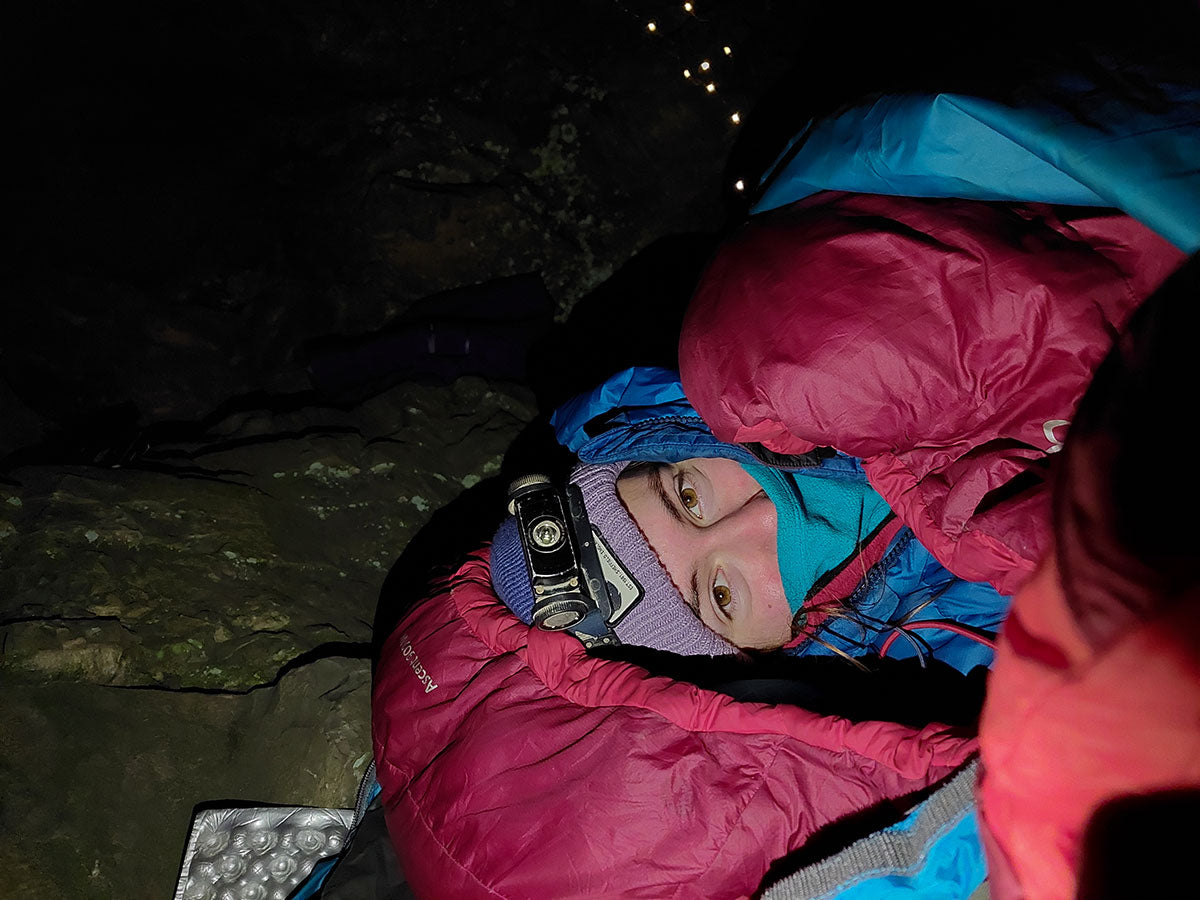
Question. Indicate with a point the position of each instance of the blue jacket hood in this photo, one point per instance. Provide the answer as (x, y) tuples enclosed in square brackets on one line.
[(642, 413)]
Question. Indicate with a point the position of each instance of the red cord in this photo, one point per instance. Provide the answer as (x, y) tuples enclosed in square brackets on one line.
[(944, 626)]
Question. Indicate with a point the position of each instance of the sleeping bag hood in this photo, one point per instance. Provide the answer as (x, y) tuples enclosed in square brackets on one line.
[(515, 764)]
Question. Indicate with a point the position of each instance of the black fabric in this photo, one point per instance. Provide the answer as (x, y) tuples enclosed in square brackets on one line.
[(890, 690), (368, 869)]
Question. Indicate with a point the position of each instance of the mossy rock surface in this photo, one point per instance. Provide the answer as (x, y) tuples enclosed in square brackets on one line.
[(100, 781), (224, 561), (198, 626)]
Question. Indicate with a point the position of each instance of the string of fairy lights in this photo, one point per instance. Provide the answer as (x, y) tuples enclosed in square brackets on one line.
[(701, 72)]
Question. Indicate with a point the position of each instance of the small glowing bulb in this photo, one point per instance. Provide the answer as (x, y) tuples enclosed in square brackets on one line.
[(651, 26), (736, 118), (711, 88), (728, 51), (739, 185), (705, 66), (687, 7), (687, 73)]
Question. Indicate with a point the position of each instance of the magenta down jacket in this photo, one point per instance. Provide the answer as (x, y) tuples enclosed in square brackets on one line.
[(945, 343), (515, 765)]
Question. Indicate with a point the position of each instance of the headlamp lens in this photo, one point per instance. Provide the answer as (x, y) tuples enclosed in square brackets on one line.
[(546, 534)]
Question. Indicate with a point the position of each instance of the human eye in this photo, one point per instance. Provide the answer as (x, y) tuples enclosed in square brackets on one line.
[(689, 497), (722, 595)]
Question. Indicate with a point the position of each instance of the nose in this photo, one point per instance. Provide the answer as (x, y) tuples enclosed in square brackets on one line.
[(750, 527)]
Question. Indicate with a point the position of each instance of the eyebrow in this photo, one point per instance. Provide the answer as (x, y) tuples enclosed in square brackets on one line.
[(654, 474)]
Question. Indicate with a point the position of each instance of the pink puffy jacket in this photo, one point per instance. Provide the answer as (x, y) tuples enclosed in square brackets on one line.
[(944, 342), (515, 765)]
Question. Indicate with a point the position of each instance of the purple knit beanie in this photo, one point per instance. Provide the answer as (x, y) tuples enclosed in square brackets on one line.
[(661, 619)]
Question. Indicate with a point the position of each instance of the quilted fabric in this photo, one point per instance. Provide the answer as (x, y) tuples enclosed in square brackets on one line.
[(943, 342), (515, 765)]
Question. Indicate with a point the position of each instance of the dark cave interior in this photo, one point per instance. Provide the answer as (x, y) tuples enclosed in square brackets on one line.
[(287, 279)]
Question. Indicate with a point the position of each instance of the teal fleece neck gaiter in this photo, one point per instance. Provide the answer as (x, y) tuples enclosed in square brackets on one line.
[(821, 521)]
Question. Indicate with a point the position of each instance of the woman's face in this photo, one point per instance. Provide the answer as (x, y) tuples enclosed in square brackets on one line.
[(714, 531)]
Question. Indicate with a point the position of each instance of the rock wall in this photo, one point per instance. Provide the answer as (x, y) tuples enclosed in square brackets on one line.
[(207, 186), (198, 626), (193, 531)]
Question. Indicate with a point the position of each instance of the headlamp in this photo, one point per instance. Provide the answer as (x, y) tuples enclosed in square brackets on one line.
[(570, 592)]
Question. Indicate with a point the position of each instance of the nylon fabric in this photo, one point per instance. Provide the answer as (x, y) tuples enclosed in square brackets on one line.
[(936, 340), (910, 585), (525, 742), (934, 852), (1070, 141), (898, 145), (638, 414), (637, 393)]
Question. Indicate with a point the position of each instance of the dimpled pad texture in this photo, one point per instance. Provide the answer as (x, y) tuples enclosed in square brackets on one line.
[(257, 853)]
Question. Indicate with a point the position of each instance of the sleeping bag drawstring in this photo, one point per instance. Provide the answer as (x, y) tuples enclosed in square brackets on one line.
[(903, 627), (964, 630)]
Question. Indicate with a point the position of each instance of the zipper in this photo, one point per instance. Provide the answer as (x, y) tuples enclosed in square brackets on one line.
[(368, 789)]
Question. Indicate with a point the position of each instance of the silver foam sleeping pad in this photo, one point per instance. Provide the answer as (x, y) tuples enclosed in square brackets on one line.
[(257, 853)]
